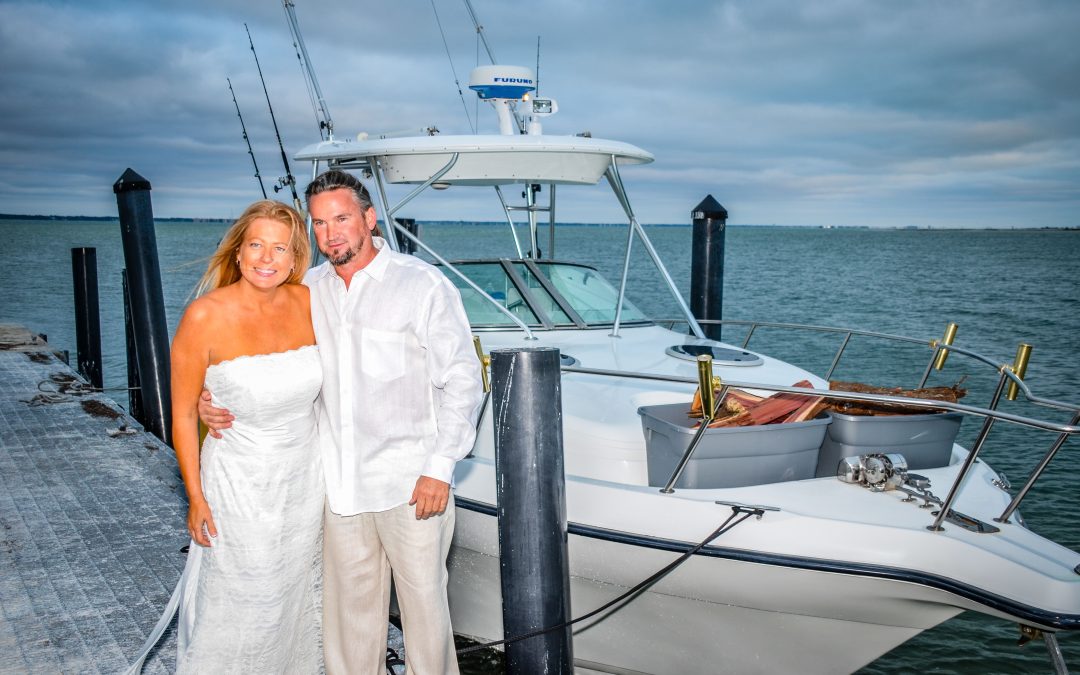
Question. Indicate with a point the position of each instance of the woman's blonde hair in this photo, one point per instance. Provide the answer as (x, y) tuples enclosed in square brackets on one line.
[(223, 269)]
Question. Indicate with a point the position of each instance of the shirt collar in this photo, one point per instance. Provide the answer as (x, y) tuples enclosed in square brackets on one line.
[(376, 269)]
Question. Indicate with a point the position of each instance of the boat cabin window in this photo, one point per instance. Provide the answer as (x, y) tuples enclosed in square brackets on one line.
[(544, 295), (590, 294), (493, 279)]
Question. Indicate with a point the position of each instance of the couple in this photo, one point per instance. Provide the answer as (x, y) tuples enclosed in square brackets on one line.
[(343, 405)]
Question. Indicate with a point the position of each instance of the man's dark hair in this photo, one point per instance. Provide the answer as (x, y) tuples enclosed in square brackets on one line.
[(335, 179)]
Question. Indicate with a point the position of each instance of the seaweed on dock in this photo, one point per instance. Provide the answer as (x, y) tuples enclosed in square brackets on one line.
[(99, 409)]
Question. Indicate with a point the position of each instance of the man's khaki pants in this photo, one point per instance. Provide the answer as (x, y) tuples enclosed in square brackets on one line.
[(359, 553)]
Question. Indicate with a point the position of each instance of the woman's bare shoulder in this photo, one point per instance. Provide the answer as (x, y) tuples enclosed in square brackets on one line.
[(207, 307), (299, 293), (298, 290)]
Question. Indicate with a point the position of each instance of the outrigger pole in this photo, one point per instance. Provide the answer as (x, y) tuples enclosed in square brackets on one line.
[(246, 139), (322, 113), (491, 56), (288, 180)]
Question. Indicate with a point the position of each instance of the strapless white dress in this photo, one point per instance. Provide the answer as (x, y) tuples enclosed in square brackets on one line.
[(251, 602)]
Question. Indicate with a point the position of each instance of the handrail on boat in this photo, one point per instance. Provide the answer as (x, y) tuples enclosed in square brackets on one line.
[(941, 350), (934, 344), (990, 415), (845, 395)]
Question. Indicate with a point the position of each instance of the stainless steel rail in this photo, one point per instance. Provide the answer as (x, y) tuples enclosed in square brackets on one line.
[(1043, 463), (843, 395), (990, 416), (616, 184), (849, 332)]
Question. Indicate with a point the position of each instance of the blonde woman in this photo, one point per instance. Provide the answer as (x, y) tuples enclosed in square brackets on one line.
[(248, 597)]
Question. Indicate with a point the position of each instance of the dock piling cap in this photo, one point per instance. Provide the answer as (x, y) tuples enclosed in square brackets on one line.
[(130, 181), (709, 209)]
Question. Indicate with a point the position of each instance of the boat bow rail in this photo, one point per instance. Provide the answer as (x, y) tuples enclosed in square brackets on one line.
[(1009, 375)]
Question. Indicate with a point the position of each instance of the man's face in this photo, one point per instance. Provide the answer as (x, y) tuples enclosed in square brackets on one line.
[(342, 230)]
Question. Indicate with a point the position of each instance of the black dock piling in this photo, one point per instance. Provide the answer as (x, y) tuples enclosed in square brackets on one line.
[(707, 265), (406, 245), (527, 396), (135, 406), (87, 315), (147, 301)]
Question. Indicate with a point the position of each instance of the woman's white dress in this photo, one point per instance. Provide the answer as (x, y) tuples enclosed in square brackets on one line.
[(250, 603)]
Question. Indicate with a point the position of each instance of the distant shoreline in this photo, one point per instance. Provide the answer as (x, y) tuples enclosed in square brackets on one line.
[(106, 219), (13, 216)]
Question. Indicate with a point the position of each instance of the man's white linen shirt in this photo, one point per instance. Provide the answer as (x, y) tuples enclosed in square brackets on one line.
[(401, 380)]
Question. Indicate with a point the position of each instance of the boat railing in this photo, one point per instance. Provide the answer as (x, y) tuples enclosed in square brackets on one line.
[(1010, 376), (942, 348)]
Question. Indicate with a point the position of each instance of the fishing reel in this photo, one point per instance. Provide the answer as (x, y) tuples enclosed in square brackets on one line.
[(876, 471), (284, 182)]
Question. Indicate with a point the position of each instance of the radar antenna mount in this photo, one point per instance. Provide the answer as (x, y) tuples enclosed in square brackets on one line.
[(504, 87)]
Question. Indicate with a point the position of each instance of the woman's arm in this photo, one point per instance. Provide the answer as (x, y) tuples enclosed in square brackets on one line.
[(190, 358)]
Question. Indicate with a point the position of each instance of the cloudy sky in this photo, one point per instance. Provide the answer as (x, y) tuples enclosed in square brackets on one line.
[(931, 113)]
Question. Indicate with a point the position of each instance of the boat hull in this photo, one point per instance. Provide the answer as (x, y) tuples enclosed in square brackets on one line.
[(710, 615)]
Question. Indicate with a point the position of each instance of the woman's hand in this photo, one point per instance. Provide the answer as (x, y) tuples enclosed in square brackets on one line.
[(200, 522)]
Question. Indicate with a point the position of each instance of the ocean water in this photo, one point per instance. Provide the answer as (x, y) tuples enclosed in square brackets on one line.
[(1001, 287)]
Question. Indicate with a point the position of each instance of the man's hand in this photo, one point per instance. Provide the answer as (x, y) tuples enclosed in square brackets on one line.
[(430, 496), (215, 419)]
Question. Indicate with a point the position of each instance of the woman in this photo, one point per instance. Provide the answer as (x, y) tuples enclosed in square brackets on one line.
[(249, 594)]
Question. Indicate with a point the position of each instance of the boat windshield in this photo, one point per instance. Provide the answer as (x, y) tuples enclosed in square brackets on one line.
[(541, 294)]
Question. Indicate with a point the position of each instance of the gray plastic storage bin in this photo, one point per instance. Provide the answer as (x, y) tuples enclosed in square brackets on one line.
[(924, 440), (728, 457)]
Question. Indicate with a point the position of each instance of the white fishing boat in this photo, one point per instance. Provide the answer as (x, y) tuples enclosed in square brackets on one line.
[(846, 552)]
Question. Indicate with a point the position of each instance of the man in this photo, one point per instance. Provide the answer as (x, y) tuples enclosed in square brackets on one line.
[(401, 391)]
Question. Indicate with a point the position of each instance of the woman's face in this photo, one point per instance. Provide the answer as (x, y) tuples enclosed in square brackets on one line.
[(265, 256)]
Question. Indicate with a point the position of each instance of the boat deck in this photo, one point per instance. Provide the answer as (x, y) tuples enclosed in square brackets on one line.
[(92, 524)]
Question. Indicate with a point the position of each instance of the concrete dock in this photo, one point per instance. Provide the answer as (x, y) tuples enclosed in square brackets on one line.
[(92, 514), (92, 522)]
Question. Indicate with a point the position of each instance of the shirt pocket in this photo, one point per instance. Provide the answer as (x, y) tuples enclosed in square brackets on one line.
[(382, 354)]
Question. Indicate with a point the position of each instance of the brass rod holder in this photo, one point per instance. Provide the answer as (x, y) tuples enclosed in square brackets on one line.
[(1019, 368), (485, 363), (943, 354), (705, 384)]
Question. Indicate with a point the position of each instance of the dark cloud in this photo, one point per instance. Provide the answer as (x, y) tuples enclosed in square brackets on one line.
[(836, 111)]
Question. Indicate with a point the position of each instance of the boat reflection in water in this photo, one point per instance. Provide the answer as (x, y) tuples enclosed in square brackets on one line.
[(848, 553)]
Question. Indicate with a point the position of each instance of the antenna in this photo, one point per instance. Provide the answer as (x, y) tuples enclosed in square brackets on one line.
[(246, 139), (538, 66), (491, 55), (288, 180), (322, 113)]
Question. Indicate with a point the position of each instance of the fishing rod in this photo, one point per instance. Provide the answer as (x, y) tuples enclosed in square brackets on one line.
[(246, 139), (318, 103), (288, 180)]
